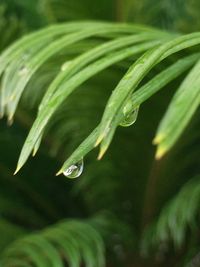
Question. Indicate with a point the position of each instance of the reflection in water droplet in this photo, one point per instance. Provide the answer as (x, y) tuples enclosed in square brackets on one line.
[(23, 70), (129, 118), (74, 170)]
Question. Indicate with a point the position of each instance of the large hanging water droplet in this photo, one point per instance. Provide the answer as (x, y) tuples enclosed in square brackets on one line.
[(129, 118), (75, 170)]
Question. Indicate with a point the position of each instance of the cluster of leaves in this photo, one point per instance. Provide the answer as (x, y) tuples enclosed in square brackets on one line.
[(35, 50), (177, 217), (74, 242), (92, 57)]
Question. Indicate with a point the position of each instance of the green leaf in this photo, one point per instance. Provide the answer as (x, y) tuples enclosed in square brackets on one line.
[(136, 73), (72, 67), (66, 243), (146, 91), (180, 111), (20, 72), (177, 216), (86, 146), (67, 88), (21, 49), (162, 79), (72, 241)]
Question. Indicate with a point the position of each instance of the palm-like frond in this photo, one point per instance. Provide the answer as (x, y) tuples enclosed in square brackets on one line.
[(76, 72), (73, 242), (179, 215)]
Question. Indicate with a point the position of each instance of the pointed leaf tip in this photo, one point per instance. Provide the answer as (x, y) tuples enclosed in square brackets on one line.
[(161, 151), (158, 139), (17, 170), (98, 141), (34, 152), (59, 172), (101, 137), (101, 153)]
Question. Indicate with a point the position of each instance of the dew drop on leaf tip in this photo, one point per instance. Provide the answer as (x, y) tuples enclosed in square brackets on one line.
[(75, 170), (130, 118)]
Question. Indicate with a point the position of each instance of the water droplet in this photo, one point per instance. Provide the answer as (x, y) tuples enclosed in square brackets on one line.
[(129, 118), (74, 170), (23, 70), (65, 65)]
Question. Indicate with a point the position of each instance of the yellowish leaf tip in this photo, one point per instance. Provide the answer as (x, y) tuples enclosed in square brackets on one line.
[(34, 152), (160, 152), (101, 152), (17, 169), (159, 138), (59, 172), (99, 139)]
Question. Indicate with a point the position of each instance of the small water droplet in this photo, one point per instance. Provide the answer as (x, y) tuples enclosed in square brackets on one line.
[(23, 70), (75, 170), (129, 118), (65, 65)]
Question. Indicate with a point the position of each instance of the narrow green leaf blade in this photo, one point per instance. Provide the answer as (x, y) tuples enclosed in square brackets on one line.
[(180, 111), (137, 72), (67, 88)]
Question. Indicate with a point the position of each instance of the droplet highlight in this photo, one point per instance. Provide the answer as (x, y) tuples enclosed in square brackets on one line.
[(75, 170), (130, 118)]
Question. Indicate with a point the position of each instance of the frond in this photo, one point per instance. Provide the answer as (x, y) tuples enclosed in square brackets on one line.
[(36, 50), (176, 218), (72, 241)]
